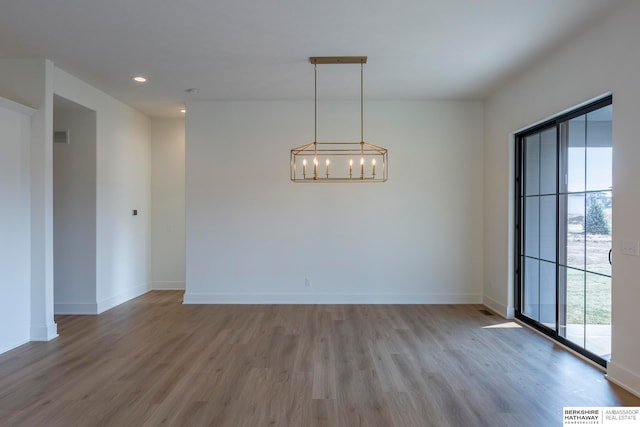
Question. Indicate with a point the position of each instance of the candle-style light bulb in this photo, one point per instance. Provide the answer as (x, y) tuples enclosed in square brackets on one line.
[(315, 168), (373, 165), (304, 168), (361, 167), (350, 168), (327, 169)]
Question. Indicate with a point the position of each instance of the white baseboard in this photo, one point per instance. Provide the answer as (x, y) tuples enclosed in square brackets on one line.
[(122, 297), (623, 377), (44, 333), (198, 298), (499, 308), (12, 346), (75, 308), (167, 286)]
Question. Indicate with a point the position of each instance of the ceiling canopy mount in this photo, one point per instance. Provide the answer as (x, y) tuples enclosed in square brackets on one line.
[(338, 59)]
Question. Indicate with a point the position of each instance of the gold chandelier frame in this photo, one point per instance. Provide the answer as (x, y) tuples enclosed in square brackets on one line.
[(337, 161)]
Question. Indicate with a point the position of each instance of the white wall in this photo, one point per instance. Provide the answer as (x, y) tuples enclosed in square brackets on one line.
[(253, 236), (123, 183), (15, 229), (74, 210), (167, 203), (30, 81), (603, 59)]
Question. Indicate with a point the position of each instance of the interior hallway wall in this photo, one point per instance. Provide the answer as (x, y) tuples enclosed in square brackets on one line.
[(123, 184), (167, 201)]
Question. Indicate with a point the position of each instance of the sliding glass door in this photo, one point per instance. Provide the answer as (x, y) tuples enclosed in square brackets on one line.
[(585, 225), (563, 228)]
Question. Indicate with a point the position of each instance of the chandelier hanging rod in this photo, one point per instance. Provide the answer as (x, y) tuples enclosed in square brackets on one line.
[(315, 60)]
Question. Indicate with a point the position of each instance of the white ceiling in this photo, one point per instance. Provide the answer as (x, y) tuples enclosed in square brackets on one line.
[(259, 49)]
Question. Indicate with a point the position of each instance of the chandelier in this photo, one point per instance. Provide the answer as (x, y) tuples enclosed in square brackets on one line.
[(338, 161)]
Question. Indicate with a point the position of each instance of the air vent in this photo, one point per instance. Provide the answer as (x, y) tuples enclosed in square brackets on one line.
[(60, 136), (486, 312)]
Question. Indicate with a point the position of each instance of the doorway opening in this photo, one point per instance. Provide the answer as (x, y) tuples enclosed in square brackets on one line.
[(74, 208)]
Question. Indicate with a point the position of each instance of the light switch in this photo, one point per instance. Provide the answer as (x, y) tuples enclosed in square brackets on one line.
[(631, 248)]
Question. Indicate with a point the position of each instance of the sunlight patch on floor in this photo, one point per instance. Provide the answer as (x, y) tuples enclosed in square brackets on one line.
[(503, 325)]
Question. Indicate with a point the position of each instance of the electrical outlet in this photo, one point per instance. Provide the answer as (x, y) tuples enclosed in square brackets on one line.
[(307, 282), (631, 248)]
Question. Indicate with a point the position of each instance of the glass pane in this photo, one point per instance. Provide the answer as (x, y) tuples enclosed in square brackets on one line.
[(575, 230), (564, 160), (575, 156), (599, 150), (598, 237), (548, 228), (548, 161), (532, 166), (575, 305), (562, 229), (562, 301), (530, 301), (532, 227), (548, 294), (598, 315)]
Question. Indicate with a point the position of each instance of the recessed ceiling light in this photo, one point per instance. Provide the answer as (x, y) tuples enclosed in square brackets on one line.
[(183, 110), (139, 79)]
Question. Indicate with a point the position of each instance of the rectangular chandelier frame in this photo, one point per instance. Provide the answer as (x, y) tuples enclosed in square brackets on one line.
[(352, 162)]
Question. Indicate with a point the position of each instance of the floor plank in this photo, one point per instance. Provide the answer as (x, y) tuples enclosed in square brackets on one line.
[(154, 361)]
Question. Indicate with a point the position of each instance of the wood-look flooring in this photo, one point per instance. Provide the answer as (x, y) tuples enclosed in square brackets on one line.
[(153, 361)]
